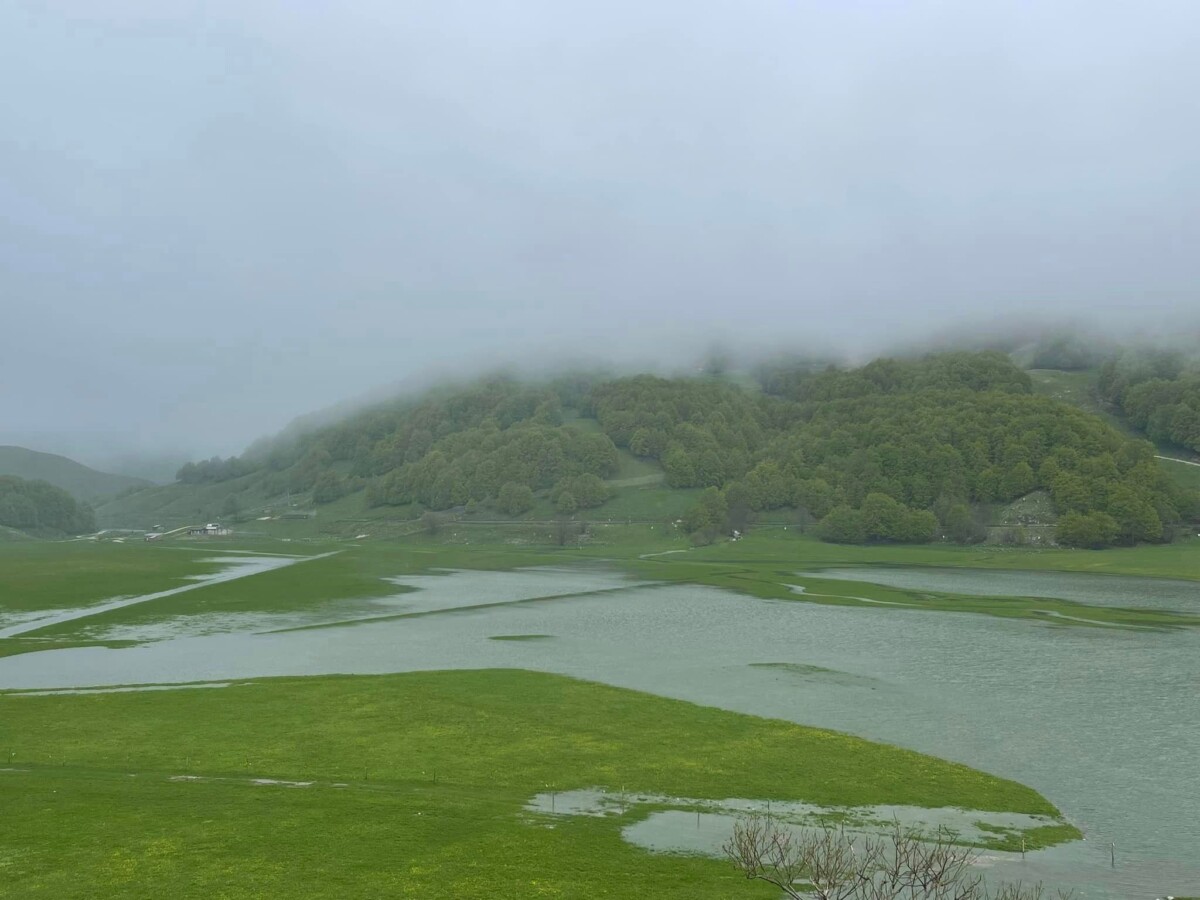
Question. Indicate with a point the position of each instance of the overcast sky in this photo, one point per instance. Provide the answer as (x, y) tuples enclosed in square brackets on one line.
[(217, 216)]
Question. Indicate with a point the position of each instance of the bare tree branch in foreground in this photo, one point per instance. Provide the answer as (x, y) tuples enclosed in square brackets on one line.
[(829, 864)]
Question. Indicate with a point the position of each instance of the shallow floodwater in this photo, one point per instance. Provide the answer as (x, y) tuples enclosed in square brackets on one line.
[(1104, 722), (232, 568), (692, 824), (1094, 590), (439, 591)]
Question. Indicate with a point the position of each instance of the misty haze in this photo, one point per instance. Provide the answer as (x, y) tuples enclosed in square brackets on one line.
[(509, 450)]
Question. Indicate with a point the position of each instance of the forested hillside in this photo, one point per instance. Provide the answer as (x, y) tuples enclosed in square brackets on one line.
[(42, 508), (897, 450), (1157, 392)]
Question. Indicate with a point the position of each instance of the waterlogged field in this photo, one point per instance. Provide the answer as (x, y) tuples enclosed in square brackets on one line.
[(409, 785), (37, 580), (1120, 591), (41, 575), (1069, 683)]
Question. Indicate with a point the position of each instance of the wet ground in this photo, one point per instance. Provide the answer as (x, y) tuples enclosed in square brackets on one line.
[(1094, 590), (1104, 722), (232, 568)]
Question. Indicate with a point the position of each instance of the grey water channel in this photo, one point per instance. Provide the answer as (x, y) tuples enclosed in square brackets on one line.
[(1104, 722)]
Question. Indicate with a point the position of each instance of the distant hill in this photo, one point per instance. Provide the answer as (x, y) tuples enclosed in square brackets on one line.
[(75, 478), (11, 535), (41, 509), (906, 450)]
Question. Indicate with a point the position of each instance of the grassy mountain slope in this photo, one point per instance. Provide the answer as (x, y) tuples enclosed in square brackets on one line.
[(76, 479)]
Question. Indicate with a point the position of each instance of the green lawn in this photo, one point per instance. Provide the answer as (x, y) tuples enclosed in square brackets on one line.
[(437, 768)]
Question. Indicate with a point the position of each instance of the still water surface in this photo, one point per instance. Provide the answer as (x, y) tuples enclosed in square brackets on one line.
[(1094, 590), (1104, 722)]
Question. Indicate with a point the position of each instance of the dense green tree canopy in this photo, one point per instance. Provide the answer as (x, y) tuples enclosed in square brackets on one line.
[(879, 444), (1159, 393), (38, 506), (514, 499)]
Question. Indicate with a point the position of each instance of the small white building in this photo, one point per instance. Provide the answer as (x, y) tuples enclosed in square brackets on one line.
[(212, 529)]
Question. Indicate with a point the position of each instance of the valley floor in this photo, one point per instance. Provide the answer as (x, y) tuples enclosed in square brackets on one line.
[(425, 784)]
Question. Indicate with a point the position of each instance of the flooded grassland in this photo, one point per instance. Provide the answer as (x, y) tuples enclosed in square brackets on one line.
[(1102, 721)]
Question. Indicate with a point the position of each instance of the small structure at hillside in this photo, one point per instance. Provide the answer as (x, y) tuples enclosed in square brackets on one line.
[(212, 529)]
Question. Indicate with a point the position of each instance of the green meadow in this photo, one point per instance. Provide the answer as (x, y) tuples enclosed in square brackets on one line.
[(415, 786)]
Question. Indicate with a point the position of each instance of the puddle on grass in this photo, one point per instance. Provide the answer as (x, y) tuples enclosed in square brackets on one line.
[(1079, 587), (200, 625), (704, 833), (257, 782), (671, 829), (11, 619), (130, 689), (691, 826)]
